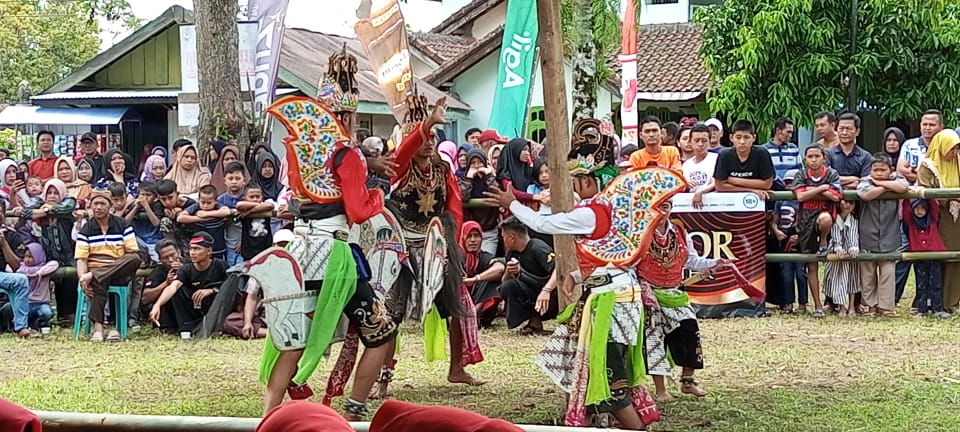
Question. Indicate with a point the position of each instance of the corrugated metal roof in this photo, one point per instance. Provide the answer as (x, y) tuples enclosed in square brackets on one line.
[(28, 114), (125, 94)]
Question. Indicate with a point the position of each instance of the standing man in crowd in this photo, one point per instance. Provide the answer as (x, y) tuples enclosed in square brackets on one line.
[(91, 150), (699, 169), (850, 160), (473, 136), (653, 153), (825, 123), (744, 168), (106, 255), (716, 134), (785, 154), (913, 151), (42, 166)]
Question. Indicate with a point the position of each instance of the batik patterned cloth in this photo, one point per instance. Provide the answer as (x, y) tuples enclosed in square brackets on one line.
[(660, 322)]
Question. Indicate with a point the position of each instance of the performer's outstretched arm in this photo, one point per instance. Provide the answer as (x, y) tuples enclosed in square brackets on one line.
[(579, 221), (407, 149), (359, 202), (696, 262)]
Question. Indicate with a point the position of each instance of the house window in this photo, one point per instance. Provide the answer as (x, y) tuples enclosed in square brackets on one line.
[(536, 125), (656, 2)]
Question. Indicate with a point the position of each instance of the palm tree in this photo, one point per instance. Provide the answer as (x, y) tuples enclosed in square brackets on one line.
[(591, 37)]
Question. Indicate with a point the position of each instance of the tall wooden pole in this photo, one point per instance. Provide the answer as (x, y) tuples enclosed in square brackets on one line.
[(558, 137)]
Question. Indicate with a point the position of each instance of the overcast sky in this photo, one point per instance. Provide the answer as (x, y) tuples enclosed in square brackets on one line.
[(338, 16)]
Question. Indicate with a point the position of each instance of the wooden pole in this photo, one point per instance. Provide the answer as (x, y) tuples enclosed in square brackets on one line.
[(851, 195), (558, 138), (889, 256)]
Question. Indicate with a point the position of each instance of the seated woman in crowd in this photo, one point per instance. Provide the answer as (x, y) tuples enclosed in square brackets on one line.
[(66, 171), (482, 273), (154, 169), (475, 179), (118, 168), (53, 221), (187, 172)]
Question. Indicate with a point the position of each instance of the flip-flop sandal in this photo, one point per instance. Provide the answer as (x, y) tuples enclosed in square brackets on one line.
[(113, 336), (97, 337)]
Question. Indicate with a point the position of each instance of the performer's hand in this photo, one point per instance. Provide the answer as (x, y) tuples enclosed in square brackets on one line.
[(383, 165), (543, 302), (503, 197), (723, 262), (439, 113)]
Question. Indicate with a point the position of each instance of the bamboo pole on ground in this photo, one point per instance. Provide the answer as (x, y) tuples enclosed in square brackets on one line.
[(558, 137)]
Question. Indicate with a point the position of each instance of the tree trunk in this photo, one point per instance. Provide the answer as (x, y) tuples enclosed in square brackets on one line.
[(221, 109), (585, 65), (558, 138)]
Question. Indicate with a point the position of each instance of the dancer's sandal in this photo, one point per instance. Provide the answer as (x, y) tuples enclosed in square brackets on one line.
[(299, 392), (380, 388)]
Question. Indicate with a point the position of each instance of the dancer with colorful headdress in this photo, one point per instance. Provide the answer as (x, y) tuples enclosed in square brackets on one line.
[(426, 200), (319, 276), (596, 354)]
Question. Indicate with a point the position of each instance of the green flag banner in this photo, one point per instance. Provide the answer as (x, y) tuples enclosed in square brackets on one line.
[(514, 75)]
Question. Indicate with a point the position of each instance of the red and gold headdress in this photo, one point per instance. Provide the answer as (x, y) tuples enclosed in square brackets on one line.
[(338, 89), (418, 109)]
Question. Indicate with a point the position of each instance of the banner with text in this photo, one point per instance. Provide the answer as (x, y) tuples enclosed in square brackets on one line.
[(383, 36), (628, 76), (515, 71), (269, 15), (732, 226)]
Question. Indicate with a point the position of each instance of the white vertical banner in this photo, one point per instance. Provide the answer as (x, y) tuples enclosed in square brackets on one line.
[(628, 108)]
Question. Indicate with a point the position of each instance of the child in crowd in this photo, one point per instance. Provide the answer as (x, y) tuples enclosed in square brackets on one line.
[(841, 279), (257, 234), (173, 204), (475, 179), (121, 203), (541, 186), (234, 176), (147, 229), (38, 270), (208, 215), (34, 190), (818, 190), (878, 234), (921, 217), (785, 227)]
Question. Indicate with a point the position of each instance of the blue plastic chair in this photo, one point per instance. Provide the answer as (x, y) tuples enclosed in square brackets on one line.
[(122, 295)]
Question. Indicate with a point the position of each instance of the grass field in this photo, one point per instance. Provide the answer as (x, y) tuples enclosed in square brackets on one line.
[(772, 374)]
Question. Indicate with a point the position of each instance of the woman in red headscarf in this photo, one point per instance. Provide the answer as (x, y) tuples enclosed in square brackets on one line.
[(483, 273)]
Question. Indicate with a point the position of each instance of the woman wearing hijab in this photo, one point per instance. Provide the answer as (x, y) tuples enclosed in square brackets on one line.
[(462, 155), (476, 179), (940, 169), (893, 139), (13, 189), (448, 152), (53, 220), (118, 168), (160, 151), (227, 154), (515, 169), (187, 172), (216, 150), (66, 171), (482, 273), (493, 155), (253, 153), (154, 169), (265, 174)]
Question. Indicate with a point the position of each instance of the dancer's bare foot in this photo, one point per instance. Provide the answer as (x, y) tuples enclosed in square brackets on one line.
[(463, 377), (690, 387), (379, 390), (663, 397)]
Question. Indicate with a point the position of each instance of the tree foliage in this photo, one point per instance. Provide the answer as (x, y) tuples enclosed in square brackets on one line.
[(591, 40), (771, 58), (43, 41)]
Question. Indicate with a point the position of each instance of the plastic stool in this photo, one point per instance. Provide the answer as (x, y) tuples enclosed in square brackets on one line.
[(122, 294)]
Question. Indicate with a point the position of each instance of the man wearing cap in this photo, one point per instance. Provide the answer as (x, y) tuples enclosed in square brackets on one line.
[(490, 138), (197, 283), (91, 150), (106, 255), (716, 132)]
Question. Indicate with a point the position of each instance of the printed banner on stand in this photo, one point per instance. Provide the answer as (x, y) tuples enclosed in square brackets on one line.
[(269, 15), (383, 36), (731, 226), (628, 77), (514, 76)]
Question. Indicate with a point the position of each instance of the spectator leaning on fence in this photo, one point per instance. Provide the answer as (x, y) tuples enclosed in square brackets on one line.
[(877, 278), (744, 168), (940, 169)]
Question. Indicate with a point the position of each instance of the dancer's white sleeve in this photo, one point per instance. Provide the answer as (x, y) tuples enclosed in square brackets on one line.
[(579, 221), (696, 262)]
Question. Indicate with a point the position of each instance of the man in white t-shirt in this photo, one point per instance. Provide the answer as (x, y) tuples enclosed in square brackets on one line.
[(914, 149), (698, 170)]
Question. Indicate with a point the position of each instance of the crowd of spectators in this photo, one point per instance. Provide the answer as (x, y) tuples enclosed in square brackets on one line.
[(107, 215)]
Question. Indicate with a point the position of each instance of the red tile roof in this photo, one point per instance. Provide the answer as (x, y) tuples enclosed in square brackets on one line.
[(669, 58), (440, 47)]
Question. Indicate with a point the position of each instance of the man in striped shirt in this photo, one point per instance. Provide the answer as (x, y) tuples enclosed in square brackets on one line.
[(106, 255)]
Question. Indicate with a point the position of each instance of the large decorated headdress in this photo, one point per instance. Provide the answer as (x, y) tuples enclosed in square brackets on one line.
[(592, 152), (338, 88), (418, 109)]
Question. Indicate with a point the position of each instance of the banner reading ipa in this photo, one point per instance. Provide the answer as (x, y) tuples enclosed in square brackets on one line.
[(383, 36), (732, 226)]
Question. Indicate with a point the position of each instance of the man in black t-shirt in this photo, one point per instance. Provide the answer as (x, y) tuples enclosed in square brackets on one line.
[(527, 279), (197, 283), (744, 168), (162, 275)]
